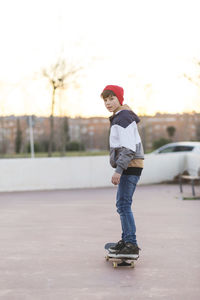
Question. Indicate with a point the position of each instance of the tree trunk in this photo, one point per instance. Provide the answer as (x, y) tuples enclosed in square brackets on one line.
[(51, 138), (18, 139)]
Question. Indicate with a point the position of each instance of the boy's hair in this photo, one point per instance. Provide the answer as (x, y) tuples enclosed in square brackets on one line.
[(105, 94)]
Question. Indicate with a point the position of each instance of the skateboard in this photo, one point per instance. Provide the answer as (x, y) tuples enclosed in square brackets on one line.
[(119, 262)]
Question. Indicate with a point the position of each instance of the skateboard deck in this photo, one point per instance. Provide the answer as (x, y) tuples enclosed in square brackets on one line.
[(118, 262)]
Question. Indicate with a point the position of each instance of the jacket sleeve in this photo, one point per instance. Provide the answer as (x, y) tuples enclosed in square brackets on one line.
[(125, 157), (128, 138)]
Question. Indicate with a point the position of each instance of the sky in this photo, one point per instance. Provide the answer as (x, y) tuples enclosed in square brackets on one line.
[(145, 46)]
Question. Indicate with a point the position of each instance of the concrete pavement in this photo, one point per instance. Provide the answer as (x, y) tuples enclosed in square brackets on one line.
[(52, 245)]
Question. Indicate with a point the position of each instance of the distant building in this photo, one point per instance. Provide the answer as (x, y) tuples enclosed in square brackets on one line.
[(152, 128), (94, 132)]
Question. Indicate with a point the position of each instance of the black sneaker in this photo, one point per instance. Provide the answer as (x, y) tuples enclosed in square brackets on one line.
[(118, 246), (128, 251)]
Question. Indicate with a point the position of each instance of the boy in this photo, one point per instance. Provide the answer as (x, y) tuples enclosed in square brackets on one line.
[(126, 155)]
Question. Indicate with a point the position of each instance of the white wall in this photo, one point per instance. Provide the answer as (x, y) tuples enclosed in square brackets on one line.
[(80, 172), (165, 167), (162, 167), (54, 173)]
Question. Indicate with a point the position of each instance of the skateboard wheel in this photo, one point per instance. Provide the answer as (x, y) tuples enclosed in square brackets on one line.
[(114, 265), (132, 264), (107, 258)]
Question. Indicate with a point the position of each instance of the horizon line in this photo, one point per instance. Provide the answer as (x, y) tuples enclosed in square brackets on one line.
[(99, 116)]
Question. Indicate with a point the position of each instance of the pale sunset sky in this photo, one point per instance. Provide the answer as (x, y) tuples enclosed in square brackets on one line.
[(146, 46)]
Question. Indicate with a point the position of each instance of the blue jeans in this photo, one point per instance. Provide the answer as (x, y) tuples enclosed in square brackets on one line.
[(125, 192)]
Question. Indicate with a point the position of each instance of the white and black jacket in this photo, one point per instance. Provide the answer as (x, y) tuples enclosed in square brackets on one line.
[(126, 150)]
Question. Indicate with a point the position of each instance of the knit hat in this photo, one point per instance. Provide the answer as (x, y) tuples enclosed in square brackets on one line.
[(118, 90)]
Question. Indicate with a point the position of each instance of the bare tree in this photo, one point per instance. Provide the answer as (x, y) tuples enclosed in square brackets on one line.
[(195, 80), (60, 76)]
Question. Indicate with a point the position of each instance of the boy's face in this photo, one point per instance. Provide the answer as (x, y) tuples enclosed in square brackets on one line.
[(111, 103)]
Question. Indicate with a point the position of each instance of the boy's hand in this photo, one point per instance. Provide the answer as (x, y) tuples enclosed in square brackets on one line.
[(116, 178)]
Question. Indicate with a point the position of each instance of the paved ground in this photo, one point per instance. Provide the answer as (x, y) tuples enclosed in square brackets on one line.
[(51, 246)]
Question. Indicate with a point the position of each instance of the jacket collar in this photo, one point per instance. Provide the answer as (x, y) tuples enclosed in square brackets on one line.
[(124, 107)]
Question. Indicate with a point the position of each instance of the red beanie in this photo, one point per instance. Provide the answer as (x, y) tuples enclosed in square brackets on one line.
[(118, 90)]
